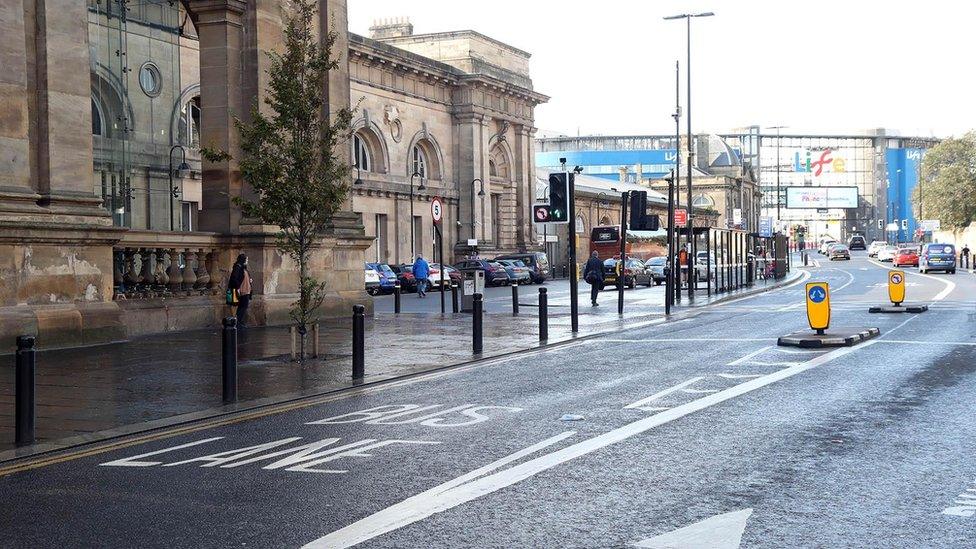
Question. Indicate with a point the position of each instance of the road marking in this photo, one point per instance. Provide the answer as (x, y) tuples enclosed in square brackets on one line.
[(665, 392), (950, 285), (750, 355), (910, 342), (699, 391), (739, 376), (653, 408), (132, 461), (757, 363), (437, 500), (719, 532), (798, 352)]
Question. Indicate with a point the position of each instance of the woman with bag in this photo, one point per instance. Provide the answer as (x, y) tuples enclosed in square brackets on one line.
[(239, 289)]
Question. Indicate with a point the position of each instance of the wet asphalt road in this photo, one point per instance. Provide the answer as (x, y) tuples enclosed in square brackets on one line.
[(871, 446)]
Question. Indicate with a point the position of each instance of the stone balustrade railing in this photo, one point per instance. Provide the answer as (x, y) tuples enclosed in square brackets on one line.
[(161, 264)]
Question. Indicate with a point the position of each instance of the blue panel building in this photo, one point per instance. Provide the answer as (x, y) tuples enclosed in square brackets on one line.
[(904, 165), (606, 164)]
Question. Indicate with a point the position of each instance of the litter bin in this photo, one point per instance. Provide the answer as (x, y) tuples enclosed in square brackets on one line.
[(473, 283)]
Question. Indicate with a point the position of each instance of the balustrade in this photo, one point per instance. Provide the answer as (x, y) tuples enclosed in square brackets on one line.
[(167, 270)]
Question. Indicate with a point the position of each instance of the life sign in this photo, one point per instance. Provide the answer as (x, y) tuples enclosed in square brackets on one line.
[(818, 306), (896, 287)]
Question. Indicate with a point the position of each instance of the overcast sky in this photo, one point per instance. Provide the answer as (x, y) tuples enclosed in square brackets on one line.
[(826, 66)]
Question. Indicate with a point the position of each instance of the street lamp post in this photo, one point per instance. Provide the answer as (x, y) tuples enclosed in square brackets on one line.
[(481, 194), (692, 252), (413, 238), (182, 171), (778, 160)]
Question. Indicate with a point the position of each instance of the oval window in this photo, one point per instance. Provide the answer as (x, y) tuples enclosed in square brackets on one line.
[(150, 80)]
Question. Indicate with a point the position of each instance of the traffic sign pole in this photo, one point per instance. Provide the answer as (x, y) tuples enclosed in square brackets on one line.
[(437, 213)]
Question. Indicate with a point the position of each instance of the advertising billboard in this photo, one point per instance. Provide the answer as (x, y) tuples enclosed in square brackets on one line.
[(821, 197)]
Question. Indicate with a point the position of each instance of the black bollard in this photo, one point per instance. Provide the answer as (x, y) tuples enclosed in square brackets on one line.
[(229, 356), (515, 296), (24, 388), (396, 298), (543, 315), (358, 342), (477, 310), (454, 299)]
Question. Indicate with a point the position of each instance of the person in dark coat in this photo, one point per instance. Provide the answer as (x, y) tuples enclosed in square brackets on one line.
[(593, 275), (240, 280)]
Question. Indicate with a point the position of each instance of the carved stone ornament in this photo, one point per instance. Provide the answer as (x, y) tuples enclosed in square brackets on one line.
[(391, 117)]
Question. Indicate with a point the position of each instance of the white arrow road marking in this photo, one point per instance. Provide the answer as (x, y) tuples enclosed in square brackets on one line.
[(739, 376), (748, 356), (439, 499), (719, 532), (665, 392)]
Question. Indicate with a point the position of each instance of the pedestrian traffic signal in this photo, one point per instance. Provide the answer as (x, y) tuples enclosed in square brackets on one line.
[(639, 220), (559, 197)]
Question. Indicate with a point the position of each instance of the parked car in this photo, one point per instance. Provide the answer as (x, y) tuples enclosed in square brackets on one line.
[(825, 245), (634, 273), (451, 275), (839, 251), (905, 256), (857, 243), (517, 269), (512, 277), (388, 278), (704, 263), (495, 275), (407, 281), (887, 253), (372, 280), (434, 277), (875, 246), (537, 262), (658, 269), (937, 257)]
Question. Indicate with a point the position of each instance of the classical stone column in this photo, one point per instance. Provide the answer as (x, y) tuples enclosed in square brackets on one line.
[(220, 26), (524, 177), (17, 191)]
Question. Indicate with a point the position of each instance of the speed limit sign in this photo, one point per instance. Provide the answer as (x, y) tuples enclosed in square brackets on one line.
[(436, 210)]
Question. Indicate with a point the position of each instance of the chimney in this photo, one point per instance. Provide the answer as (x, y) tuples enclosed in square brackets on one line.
[(391, 28)]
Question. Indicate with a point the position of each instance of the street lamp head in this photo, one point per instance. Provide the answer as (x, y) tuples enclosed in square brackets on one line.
[(704, 14), (481, 192), (183, 170), (421, 186)]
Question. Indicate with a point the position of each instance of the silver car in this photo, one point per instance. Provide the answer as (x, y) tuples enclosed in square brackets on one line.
[(657, 267)]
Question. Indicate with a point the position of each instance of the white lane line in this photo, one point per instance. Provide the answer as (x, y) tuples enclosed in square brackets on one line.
[(701, 339), (909, 342), (758, 363), (799, 352), (699, 391), (739, 376), (653, 408), (750, 355), (665, 392), (846, 284), (950, 285), (436, 500)]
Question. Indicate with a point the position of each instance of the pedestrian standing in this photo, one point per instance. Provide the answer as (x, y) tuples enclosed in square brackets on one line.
[(240, 282), (593, 275), (421, 270), (965, 255)]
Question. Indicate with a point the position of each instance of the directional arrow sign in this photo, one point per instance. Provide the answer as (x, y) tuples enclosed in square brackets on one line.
[(719, 532)]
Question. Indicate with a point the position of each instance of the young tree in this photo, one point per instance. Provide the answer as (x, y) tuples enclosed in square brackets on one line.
[(290, 156), (949, 183)]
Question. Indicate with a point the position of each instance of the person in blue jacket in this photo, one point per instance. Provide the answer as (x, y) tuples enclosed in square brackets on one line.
[(421, 270)]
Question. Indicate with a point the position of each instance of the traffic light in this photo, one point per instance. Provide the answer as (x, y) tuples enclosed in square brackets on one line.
[(652, 222), (639, 220), (559, 197), (904, 223), (881, 224)]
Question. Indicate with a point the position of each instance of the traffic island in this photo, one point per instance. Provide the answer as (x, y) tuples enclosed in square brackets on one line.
[(838, 337), (899, 309)]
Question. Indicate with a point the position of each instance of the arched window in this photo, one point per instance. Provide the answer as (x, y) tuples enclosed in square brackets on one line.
[(703, 201), (360, 154), (419, 161), (190, 123), (492, 169), (98, 120)]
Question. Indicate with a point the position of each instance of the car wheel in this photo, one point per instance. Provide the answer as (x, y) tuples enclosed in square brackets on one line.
[(952, 272), (658, 282), (633, 283)]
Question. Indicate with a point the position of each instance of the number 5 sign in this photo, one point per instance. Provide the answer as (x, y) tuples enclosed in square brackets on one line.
[(436, 210)]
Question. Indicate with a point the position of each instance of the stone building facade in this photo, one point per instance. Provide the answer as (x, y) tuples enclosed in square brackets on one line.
[(112, 226)]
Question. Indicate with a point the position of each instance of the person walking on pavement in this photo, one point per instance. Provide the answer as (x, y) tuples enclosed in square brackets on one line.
[(965, 255), (593, 275), (240, 280), (421, 270)]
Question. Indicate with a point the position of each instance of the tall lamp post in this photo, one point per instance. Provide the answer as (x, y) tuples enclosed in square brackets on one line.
[(182, 171), (481, 194), (778, 160), (413, 237), (692, 252)]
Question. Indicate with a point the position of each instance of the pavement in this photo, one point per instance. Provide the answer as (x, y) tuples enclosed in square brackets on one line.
[(699, 432), (95, 393)]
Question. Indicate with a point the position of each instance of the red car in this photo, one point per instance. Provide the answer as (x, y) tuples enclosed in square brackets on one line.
[(905, 256)]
